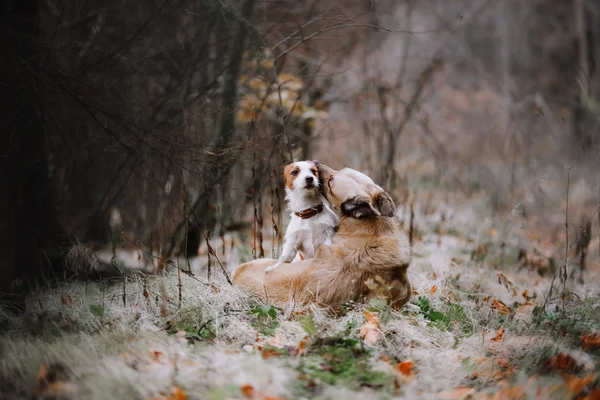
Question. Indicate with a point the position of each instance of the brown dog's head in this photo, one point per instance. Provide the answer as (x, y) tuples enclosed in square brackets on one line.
[(353, 193)]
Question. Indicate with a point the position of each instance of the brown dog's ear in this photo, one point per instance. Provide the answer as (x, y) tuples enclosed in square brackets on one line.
[(385, 204), (359, 208)]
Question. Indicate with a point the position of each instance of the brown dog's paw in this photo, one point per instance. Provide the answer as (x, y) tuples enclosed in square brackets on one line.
[(359, 208), (385, 204)]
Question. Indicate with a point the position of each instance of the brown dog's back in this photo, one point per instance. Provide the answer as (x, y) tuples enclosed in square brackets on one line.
[(365, 252)]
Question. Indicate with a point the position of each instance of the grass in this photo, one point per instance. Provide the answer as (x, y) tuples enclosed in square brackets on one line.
[(462, 328)]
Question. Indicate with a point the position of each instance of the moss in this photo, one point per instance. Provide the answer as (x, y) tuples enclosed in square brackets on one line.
[(339, 361)]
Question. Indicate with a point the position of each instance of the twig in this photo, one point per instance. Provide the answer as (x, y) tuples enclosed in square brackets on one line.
[(411, 226), (562, 271), (211, 250), (114, 264)]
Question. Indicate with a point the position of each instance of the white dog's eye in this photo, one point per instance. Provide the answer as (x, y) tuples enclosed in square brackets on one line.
[(295, 172)]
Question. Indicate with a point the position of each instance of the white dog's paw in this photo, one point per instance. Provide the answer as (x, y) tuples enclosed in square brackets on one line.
[(272, 267)]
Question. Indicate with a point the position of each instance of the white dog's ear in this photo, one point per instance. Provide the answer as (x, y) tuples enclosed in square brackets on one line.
[(359, 208)]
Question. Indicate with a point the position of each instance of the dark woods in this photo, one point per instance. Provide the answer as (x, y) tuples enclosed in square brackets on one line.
[(135, 106)]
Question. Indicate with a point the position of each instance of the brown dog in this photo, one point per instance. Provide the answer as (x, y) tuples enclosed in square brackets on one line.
[(369, 256)]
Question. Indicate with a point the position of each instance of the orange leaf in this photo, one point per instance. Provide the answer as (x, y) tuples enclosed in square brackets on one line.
[(269, 353), (502, 308), (405, 368), (433, 289), (594, 395), (369, 332), (177, 393), (591, 341), (575, 384), (499, 335), (156, 355), (563, 362), (302, 346), (247, 391), (513, 393)]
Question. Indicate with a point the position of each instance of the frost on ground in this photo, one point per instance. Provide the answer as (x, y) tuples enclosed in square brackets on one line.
[(473, 329)]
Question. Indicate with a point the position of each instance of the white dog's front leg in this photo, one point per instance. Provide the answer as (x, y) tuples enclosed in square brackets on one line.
[(287, 255)]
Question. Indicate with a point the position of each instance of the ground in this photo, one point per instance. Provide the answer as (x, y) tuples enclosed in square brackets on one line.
[(476, 327)]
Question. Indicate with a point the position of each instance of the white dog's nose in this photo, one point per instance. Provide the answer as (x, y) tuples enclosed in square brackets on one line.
[(309, 179)]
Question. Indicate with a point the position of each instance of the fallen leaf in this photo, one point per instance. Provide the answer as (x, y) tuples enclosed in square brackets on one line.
[(503, 280), (575, 384), (593, 395), (269, 353), (433, 289), (509, 393), (178, 393), (277, 341), (563, 362), (499, 335), (406, 368), (591, 341), (156, 355), (370, 332), (54, 381), (502, 308), (302, 346), (66, 300), (247, 391)]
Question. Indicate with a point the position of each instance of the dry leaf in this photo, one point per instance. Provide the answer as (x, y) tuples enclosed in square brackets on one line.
[(591, 341), (247, 391), (54, 381), (406, 368), (156, 355), (66, 300), (370, 332), (512, 393), (563, 362), (593, 395), (269, 353), (277, 341), (503, 280), (575, 384), (433, 289), (302, 345), (499, 335), (502, 308)]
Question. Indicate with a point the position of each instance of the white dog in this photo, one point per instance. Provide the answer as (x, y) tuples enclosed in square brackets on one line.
[(313, 221)]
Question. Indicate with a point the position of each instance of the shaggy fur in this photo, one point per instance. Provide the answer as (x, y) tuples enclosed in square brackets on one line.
[(369, 252)]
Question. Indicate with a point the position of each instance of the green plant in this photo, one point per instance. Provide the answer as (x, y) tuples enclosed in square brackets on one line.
[(266, 319)]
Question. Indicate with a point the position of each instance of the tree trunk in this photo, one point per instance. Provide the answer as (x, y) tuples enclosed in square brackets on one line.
[(28, 213), (229, 102)]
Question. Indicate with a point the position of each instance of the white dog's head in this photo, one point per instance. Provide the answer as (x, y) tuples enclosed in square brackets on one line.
[(302, 185), (301, 176)]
